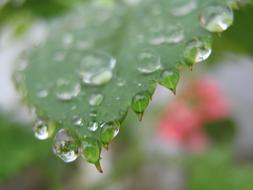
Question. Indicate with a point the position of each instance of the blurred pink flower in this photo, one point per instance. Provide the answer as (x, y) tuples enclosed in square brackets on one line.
[(182, 124)]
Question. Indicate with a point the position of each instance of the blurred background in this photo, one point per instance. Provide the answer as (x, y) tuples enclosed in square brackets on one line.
[(199, 139)]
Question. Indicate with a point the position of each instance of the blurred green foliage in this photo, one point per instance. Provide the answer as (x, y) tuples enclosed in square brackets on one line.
[(18, 148), (216, 170), (239, 37)]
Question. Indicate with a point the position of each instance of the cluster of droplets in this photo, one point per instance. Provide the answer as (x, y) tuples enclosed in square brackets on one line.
[(68, 146), (96, 68)]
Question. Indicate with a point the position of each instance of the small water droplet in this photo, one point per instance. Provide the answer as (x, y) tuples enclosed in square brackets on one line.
[(78, 121), (166, 34), (65, 146), (93, 126), (96, 99), (42, 94), (170, 79), (93, 113), (140, 102), (216, 18), (59, 57), (43, 130), (96, 68), (117, 98), (68, 39), (84, 45), (148, 62), (121, 82), (91, 150), (197, 50), (182, 7), (109, 131), (67, 90)]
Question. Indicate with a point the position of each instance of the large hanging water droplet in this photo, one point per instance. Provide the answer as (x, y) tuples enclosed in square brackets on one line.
[(91, 150), (96, 99), (140, 102), (182, 7), (67, 90), (108, 132), (217, 18), (43, 130), (148, 62), (170, 79), (65, 146), (197, 50), (166, 34), (96, 68)]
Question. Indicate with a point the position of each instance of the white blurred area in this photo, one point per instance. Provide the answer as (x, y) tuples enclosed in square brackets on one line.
[(11, 48)]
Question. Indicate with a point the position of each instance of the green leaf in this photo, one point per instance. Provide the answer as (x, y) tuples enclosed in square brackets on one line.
[(106, 56)]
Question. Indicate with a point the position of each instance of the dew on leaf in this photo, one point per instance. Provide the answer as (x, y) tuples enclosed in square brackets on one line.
[(43, 130), (140, 102), (84, 45), (109, 131), (93, 113), (65, 146), (96, 99), (166, 34), (42, 93), (67, 40), (182, 7), (121, 82), (170, 79), (216, 18), (148, 62), (197, 50), (59, 57), (77, 121), (93, 126), (67, 90), (91, 150), (96, 68)]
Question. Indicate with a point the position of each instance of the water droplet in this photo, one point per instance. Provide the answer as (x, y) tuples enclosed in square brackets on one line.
[(96, 99), (59, 57), (67, 90), (197, 50), (84, 45), (91, 150), (93, 113), (140, 102), (166, 34), (217, 18), (67, 40), (96, 68), (109, 131), (148, 62), (42, 94), (43, 130), (65, 146), (182, 7), (93, 126), (170, 79), (121, 82), (78, 121), (117, 98)]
